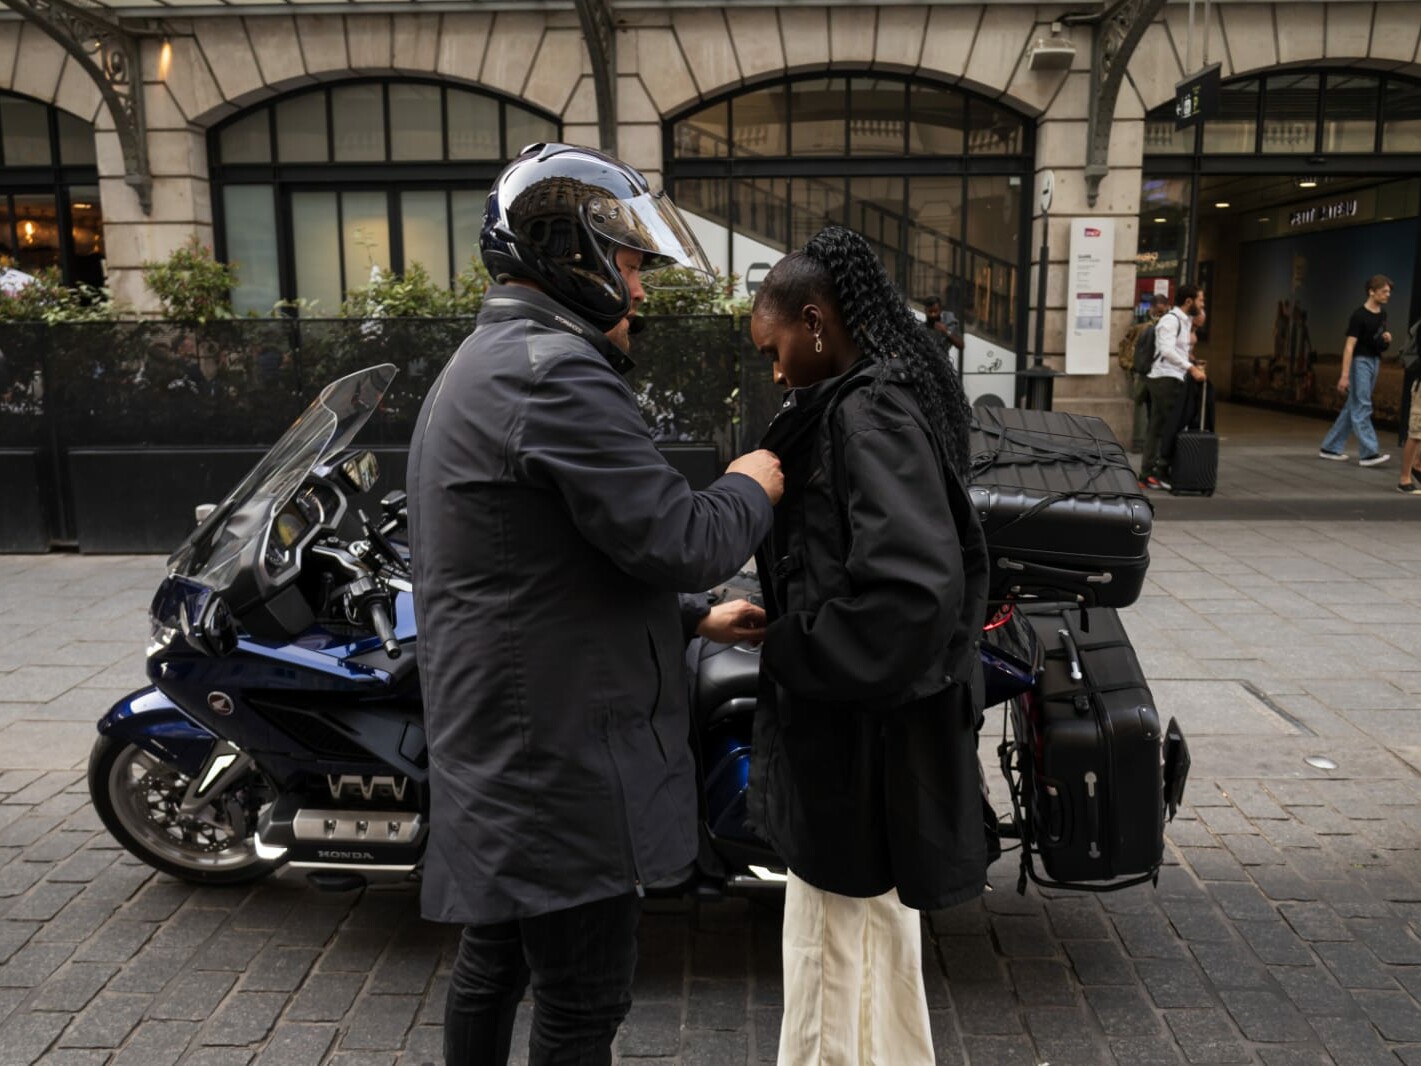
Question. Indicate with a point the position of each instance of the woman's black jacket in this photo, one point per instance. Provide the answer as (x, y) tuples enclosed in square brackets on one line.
[(865, 774)]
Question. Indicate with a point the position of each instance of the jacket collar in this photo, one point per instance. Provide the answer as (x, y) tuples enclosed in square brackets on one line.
[(505, 303)]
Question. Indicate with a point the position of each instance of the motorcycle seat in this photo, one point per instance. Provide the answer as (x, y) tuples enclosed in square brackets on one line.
[(725, 672)]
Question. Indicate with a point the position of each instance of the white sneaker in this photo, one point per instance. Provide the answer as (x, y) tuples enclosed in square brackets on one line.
[(1375, 460), (1336, 457)]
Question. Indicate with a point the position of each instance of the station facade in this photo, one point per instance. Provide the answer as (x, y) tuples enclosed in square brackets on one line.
[(309, 142)]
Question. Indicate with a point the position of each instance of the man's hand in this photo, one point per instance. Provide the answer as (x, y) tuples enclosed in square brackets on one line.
[(1342, 383), (733, 622), (1197, 372), (762, 467), (1386, 337)]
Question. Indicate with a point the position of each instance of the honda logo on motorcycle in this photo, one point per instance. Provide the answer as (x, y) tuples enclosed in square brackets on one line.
[(219, 703)]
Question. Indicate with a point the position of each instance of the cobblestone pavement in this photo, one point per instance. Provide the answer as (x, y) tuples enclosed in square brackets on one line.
[(1283, 931)]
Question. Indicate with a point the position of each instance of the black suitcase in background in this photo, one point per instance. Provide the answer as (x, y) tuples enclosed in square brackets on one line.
[(1060, 505), (1194, 470), (1095, 775)]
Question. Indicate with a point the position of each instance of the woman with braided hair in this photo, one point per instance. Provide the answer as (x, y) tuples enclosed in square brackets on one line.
[(865, 775)]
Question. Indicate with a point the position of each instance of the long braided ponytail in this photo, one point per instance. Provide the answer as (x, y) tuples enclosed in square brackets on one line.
[(837, 266)]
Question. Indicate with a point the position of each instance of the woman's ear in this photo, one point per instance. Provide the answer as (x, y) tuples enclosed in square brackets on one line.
[(813, 319)]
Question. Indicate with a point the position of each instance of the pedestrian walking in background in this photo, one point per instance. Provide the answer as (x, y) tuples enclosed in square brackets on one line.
[(549, 540), (1411, 412), (1136, 355), (1367, 338), (1173, 364), (946, 331), (864, 774)]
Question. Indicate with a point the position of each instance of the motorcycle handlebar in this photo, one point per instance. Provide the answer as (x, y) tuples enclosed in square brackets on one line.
[(380, 622)]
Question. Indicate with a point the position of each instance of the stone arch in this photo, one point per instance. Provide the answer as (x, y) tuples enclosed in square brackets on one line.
[(33, 64), (1250, 38)]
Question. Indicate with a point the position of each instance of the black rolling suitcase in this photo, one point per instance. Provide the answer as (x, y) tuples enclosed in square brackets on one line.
[(1093, 775), (1194, 470), (1063, 513)]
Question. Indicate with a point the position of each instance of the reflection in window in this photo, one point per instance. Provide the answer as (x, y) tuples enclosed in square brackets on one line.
[(76, 141), (315, 237), (1164, 226), (992, 130), (1290, 114), (358, 123), (250, 214), (424, 220), (525, 128), (817, 111), (934, 240), (814, 204), (1161, 138), (248, 140), (24, 130), (705, 135), (1401, 122), (1235, 130), (762, 210), (1349, 113), (473, 126), (761, 123), (937, 121), (416, 122), (365, 236), (468, 219), (876, 120), (301, 129)]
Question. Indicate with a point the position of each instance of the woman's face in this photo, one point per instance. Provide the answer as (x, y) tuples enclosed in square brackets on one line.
[(789, 342)]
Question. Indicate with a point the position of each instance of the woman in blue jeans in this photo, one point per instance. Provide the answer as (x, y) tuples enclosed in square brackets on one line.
[(1367, 338)]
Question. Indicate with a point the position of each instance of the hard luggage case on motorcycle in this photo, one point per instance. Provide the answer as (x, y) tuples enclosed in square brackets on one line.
[(1060, 505), (1096, 774)]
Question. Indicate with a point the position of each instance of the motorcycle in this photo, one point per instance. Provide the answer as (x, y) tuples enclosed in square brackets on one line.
[(283, 730)]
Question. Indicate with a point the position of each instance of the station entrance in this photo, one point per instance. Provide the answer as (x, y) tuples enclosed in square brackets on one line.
[(1282, 206)]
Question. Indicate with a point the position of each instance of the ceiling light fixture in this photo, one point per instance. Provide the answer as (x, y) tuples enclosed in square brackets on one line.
[(1222, 204), (1161, 218), (1307, 183)]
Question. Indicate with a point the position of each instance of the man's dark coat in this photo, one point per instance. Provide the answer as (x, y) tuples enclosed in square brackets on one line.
[(550, 539), (864, 772)]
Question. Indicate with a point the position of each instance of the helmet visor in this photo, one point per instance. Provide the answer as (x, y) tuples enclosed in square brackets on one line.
[(650, 224)]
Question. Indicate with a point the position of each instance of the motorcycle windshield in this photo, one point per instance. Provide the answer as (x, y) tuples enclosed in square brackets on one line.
[(213, 553)]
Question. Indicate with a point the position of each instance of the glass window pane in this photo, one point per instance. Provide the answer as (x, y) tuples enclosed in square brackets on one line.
[(7, 231), (1290, 114), (248, 140), (875, 209), (1401, 125), (249, 214), (315, 236), (992, 130), (364, 235), (416, 122), (525, 128), (934, 239), (1349, 113), (473, 126), (86, 227), (301, 129), (706, 204), (937, 121), (704, 135), (1161, 138), (76, 141), (424, 221), (25, 128), (468, 208), (36, 233), (760, 124), (358, 121), (1164, 227), (814, 204), (1235, 130), (876, 116), (760, 213), (817, 110), (993, 228)]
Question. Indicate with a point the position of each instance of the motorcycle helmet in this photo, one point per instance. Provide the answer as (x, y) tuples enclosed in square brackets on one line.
[(556, 216)]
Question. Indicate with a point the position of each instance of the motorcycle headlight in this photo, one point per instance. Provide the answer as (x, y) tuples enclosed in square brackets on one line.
[(160, 635)]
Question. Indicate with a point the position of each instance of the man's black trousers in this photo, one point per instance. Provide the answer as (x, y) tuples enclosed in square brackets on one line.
[(580, 964)]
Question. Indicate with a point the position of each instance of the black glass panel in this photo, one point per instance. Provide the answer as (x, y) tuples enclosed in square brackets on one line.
[(817, 112), (877, 123), (761, 124), (1349, 113), (704, 135), (1235, 129), (1401, 122), (1290, 114), (937, 121)]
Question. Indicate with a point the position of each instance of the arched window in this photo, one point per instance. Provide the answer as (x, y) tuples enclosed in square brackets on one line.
[(932, 175), (49, 191), (315, 189)]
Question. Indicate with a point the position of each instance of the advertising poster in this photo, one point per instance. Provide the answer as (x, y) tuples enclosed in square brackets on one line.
[(1090, 279)]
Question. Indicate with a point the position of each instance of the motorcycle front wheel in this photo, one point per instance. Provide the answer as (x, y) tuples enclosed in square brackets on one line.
[(138, 798)]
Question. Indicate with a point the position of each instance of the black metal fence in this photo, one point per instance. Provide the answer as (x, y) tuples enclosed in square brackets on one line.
[(103, 425)]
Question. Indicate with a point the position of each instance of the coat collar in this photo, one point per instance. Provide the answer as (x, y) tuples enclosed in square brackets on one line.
[(504, 303)]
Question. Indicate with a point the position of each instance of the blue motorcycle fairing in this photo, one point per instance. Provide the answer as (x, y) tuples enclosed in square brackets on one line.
[(160, 727)]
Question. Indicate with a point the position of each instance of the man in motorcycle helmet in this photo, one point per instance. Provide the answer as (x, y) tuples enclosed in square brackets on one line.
[(549, 540)]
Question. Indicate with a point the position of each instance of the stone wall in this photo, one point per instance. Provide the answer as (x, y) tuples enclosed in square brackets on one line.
[(671, 59)]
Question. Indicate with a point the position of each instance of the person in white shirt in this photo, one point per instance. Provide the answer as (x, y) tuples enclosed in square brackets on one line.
[(1172, 366)]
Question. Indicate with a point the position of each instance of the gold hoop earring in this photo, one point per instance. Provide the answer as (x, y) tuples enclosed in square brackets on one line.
[(818, 344)]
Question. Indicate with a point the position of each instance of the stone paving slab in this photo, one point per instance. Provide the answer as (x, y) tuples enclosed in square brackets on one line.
[(1285, 928)]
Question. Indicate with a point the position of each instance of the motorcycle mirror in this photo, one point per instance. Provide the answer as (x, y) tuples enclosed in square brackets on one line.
[(215, 633), (202, 510)]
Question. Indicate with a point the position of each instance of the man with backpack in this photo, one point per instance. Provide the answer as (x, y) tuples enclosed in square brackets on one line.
[(1136, 355), (1172, 364)]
